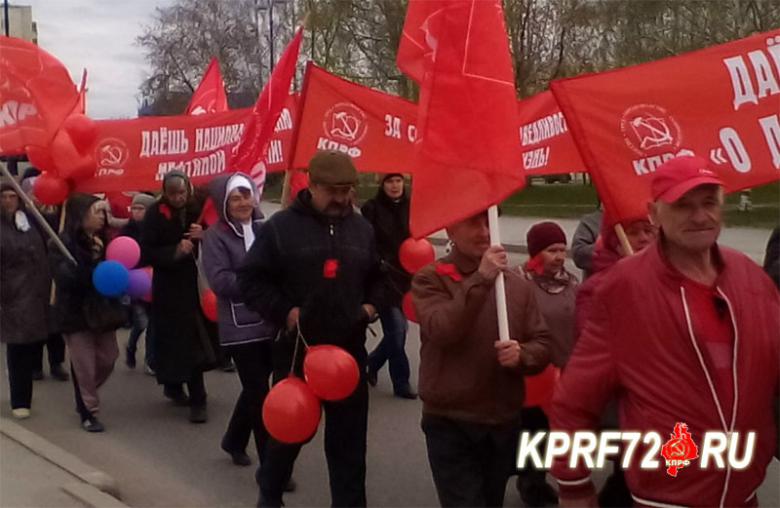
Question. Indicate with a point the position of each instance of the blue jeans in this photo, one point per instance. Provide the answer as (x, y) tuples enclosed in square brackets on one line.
[(392, 348), (139, 318)]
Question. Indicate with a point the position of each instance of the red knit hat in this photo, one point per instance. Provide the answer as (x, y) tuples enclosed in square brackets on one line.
[(542, 235)]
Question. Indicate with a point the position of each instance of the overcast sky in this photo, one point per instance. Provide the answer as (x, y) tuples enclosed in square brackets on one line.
[(99, 35)]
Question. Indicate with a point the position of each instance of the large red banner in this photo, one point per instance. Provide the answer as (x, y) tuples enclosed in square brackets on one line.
[(376, 129), (721, 103), (379, 130), (134, 155), (547, 145)]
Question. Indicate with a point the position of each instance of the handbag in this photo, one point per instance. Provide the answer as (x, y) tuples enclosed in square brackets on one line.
[(103, 314)]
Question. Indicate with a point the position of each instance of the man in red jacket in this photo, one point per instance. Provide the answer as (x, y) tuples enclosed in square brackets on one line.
[(685, 331)]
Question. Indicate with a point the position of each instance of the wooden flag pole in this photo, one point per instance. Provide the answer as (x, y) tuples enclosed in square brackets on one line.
[(32, 209), (495, 239), (286, 188), (621, 234)]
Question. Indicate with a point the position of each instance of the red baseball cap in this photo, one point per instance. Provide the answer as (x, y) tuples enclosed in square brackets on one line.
[(677, 176)]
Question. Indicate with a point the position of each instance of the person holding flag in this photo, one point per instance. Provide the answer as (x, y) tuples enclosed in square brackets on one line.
[(698, 344), (471, 383)]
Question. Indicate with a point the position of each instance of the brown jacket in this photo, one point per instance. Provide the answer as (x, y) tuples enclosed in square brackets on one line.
[(460, 377)]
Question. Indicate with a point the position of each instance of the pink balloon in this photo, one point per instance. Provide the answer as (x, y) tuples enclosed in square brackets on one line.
[(125, 250)]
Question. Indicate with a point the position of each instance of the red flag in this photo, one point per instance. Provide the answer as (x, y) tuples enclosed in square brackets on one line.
[(210, 96), (721, 103), (36, 94), (249, 153), (374, 128), (467, 124), (299, 180), (547, 144)]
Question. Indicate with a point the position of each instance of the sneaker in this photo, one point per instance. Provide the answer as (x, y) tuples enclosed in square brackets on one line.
[(92, 424), (130, 359), (37, 375), (21, 413), (148, 370), (58, 373), (199, 414)]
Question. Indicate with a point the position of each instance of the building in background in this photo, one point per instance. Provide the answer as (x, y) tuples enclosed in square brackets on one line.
[(21, 23)]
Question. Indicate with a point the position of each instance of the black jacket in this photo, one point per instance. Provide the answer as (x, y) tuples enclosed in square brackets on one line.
[(132, 229), (24, 282), (182, 342), (74, 288), (285, 269), (390, 220)]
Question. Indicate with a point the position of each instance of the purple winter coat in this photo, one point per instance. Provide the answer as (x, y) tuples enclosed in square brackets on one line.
[(223, 254)]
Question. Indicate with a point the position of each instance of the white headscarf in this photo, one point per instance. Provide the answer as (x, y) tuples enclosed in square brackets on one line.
[(242, 182)]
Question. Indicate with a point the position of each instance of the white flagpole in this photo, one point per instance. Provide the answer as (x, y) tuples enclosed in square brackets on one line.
[(495, 239)]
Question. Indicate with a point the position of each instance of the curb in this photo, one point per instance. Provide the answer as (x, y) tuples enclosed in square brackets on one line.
[(97, 485), (91, 497)]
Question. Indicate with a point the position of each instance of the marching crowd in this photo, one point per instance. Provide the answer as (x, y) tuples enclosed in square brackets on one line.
[(666, 326)]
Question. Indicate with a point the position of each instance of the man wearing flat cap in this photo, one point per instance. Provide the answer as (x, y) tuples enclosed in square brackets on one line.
[(314, 270), (686, 336)]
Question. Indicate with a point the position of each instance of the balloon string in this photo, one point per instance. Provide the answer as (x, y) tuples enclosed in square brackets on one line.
[(298, 339)]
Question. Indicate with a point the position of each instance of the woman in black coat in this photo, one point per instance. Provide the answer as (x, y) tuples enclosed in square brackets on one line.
[(24, 299), (182, 346)]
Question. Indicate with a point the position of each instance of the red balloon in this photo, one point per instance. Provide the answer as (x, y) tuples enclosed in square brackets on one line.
[(68, 161), (330, 372), (291, 412), (50, 190), (407, 305), (81, 130), (539, 388), (415, 254), (40, 158), (208, 302)]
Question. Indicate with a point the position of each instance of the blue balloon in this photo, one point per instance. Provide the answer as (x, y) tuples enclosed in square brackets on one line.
[(111, 278)]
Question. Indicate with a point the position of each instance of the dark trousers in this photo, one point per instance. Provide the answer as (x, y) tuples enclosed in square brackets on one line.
[(253, 362), (392, 348), (533, 420), (196, 387), (139, 318), (470, 462), (21, 361), (346, 423), (55, 347)]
